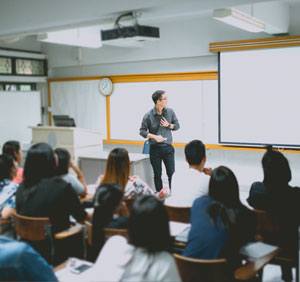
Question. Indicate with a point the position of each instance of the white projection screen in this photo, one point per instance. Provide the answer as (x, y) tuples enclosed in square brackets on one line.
[(259, 97)]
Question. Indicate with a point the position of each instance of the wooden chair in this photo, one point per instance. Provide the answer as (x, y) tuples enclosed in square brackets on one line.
[(268, 227), (108, 232), (129, 204), (38, 230), (178, 214), (216, 270), (201, 270), (4, 223)]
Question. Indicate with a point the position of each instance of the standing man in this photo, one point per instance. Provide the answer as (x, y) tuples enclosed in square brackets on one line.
[(157, 125)]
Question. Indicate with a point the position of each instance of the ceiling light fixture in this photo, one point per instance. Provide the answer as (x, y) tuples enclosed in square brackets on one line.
[(81, 37), (239, 19)]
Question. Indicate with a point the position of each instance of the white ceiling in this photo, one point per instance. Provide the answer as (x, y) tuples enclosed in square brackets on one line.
[(19, 18)]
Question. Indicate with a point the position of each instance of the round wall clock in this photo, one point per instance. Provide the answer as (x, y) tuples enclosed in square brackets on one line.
[(105, 86)]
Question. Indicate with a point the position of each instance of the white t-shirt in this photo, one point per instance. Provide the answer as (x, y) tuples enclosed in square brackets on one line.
[(120, 261), (188, 184)]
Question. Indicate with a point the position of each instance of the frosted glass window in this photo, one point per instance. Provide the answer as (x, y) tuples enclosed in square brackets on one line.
[(5, 65), (29, 67)]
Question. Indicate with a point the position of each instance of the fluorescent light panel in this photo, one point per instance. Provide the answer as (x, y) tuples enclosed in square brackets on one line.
[(239, 19), (81, 37)]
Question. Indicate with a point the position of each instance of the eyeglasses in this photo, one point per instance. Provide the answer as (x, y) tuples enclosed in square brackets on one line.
[(163, 99)]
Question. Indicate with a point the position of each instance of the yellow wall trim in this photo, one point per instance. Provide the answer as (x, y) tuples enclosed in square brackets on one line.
[(201, 75), (261, 43), (207, 146)]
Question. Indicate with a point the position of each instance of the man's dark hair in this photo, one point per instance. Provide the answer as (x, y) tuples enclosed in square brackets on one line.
[(157, 95), (63, 161), (148, 225), (194, 152)]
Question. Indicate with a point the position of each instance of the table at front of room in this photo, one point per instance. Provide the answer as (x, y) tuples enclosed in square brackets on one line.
[(93, 164)]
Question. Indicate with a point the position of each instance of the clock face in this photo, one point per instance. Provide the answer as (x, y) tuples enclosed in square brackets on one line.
[(105, 86)]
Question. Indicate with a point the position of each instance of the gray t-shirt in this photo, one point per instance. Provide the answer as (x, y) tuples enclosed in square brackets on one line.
[(75, 183)]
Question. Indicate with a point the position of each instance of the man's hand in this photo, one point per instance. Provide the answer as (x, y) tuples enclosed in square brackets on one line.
[(160, 139), (164, 122)]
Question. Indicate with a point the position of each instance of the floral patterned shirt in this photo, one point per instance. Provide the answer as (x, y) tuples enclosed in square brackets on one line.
[(7, 193), (134, 187)]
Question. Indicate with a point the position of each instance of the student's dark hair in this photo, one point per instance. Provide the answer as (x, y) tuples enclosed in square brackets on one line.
[(39, 164), (224, 192), (63, 161), (106, 200), (11, 148), (6, 164), (148, 225), (157, 95), (194, 152), (277, 172)]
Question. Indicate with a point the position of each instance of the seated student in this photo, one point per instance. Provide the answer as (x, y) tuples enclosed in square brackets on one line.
[(13, 148), (118, 170), (19, 262), (192, 182), (42, 194), (276, 196), (8, 170), (147, 256), (62, 169), (108, 204), (220, 224)]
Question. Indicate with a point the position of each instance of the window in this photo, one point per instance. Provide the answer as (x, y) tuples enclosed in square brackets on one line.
[(5, 65), (30, 67), (23, 66), (11, 86)]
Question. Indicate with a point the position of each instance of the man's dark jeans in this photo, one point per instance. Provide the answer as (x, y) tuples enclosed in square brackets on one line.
[(158, 153)]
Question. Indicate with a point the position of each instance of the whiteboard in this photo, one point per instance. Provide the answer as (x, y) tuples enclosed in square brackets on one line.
[(259, 97), (195, 103), (82, 101), (18, 111)]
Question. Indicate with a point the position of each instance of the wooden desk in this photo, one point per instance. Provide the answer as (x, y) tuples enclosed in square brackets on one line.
[(93, 164), (249, 270)]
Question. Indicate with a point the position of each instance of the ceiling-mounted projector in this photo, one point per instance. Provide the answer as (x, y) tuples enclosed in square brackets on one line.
[(130, 36)]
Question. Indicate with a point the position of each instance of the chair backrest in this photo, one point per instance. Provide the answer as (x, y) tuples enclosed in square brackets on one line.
[(178, 214), (108, 232), (267, 226), (30, 228), (190, 269), (129, 204), (89, 228)]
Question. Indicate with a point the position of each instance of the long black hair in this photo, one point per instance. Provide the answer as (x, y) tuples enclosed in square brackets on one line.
[(224, 192), (277, 172), (6, 166), (40, 163), (148, 225), (106, 200)]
